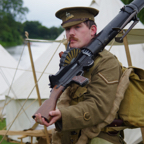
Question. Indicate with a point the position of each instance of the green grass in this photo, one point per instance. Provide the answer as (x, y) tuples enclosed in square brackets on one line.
[(2, 126)]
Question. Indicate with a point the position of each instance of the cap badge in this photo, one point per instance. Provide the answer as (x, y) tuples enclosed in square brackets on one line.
[(69, 16)]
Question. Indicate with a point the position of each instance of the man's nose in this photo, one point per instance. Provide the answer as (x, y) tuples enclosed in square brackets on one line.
[(72, 31)]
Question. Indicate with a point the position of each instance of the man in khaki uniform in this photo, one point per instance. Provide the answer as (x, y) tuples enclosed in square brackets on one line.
[(89, 106)]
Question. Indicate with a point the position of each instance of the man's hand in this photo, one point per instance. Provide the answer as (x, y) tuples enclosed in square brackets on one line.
[(56, 115)]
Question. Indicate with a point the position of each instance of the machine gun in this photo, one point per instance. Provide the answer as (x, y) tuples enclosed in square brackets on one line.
[(72, 72)]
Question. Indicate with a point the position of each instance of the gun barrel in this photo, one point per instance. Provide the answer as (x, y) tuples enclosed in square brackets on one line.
[(126, 15), (139, 4)]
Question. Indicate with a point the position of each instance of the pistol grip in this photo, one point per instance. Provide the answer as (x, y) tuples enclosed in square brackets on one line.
[(82, 81)]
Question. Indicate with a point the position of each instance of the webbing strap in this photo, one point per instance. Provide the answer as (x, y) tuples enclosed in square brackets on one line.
[(111, 129)]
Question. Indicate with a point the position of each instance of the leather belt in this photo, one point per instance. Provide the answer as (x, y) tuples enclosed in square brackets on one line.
[(116, 123)]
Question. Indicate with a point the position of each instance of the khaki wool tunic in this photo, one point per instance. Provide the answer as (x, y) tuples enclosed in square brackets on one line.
[(97, 98)]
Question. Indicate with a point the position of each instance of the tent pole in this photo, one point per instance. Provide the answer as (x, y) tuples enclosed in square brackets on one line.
[(127, 51), (125, 41), (37, 88), (34, 73), (93, 2)]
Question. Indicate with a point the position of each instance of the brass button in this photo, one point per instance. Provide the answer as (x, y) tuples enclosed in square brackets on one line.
[(86, 116)]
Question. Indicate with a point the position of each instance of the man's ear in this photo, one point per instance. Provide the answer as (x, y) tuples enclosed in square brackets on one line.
[(93, 30)]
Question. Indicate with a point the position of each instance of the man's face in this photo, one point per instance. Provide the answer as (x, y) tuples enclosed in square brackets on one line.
[(79, 35)]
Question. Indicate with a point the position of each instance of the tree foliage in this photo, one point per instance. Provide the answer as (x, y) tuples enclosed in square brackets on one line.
[(11, 11), (13, 8), (37, 30), (12, 31)]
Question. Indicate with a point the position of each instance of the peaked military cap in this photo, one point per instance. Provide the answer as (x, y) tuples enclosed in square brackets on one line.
[(74, 15)]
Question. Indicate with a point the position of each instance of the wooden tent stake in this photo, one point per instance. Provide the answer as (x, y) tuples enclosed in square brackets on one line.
[(37, 88)]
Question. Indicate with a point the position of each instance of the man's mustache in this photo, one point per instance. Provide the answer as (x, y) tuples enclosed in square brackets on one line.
[(72, 38)]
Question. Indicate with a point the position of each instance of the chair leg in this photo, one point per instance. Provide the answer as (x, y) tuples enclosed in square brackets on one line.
[(31, 139), (21, 141)]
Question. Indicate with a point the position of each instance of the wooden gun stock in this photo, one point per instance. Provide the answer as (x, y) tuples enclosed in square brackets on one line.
[(49, 104)]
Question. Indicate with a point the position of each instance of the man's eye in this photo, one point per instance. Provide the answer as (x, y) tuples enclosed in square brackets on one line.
[(77, 26), (67, 29)]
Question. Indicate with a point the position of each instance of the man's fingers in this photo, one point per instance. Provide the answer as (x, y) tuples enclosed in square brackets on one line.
[(38, 118), (53, 120), (53, 113), (44, 122), (56, 115)]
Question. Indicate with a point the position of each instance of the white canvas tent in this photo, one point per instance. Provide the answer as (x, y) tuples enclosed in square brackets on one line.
[(23, 85), (8, 67)]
